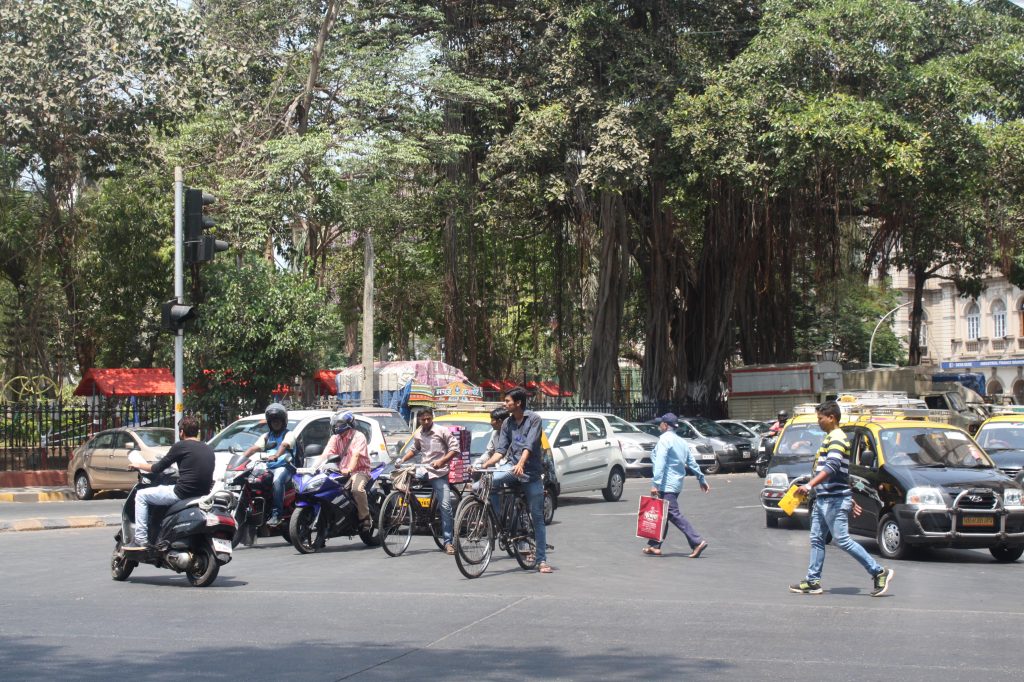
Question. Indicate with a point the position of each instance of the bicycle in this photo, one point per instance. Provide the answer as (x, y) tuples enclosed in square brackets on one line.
[(478, 527), (405, 511)]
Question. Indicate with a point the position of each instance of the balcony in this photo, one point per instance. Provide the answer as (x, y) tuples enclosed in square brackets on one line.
[(975, 346)]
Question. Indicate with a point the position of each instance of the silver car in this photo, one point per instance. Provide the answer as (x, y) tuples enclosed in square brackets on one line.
[(704, 455)]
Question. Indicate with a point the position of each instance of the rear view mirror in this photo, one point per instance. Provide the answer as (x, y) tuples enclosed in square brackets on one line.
[(563, 442), (867, 458)]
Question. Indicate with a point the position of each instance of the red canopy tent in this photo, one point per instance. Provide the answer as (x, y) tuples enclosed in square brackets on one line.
[(139, 382), (326, 381)]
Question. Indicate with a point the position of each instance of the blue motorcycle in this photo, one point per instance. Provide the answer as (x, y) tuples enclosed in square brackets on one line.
[(324, 508)]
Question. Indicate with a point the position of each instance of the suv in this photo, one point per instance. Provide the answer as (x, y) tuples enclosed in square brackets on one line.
[(730, 452), (311, 427), (586, 452)]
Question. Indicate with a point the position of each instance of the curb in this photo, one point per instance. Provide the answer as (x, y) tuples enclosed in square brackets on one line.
[(39, 496), (56, 524)]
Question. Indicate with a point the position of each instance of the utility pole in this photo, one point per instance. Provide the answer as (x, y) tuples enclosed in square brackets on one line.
[(179, 295), (871, 343), (366, 395)]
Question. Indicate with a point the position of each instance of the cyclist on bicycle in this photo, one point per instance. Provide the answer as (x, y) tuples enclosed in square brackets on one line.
[(436, 446), (520, 439)]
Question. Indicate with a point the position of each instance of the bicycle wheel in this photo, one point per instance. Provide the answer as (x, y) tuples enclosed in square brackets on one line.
[(522, 538), (474, 539), (435, 523), (395, 523)]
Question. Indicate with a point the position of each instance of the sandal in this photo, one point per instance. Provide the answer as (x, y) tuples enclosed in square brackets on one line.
[(652, 551), (449, 549), (544, 567)]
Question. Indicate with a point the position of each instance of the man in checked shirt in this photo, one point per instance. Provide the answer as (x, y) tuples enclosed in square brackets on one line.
[(435, 446)]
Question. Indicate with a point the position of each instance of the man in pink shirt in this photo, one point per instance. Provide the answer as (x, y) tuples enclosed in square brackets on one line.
[(350, 446)]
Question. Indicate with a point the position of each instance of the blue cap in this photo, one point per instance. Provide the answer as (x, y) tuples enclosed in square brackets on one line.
[(668, 418)]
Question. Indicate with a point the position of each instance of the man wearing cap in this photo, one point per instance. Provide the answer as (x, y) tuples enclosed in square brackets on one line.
[(672, 459)]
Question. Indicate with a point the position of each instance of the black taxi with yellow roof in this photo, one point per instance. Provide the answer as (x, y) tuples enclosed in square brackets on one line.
[(1002, 438)]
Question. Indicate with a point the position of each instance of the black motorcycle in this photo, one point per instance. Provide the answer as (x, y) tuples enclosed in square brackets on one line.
[(192, 536), (764, 455), (252, 483)]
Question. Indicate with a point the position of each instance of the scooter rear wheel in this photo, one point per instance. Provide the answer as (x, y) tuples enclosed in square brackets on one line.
[(120, 567), (204, 568)]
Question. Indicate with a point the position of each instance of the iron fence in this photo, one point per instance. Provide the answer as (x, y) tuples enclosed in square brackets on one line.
[(43, 434)]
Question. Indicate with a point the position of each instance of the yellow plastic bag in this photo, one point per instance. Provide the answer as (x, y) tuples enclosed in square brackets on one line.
[(791, 500)]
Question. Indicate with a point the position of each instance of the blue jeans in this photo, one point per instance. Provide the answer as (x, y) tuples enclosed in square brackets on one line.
[(833, 514), (534, 498), (282, 475), (157, 496), (444, 494)]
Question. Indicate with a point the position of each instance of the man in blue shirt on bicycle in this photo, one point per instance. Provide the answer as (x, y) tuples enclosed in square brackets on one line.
[(520, 440)]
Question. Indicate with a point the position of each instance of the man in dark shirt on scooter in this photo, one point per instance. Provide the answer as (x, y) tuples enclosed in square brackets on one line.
[(195, 460)]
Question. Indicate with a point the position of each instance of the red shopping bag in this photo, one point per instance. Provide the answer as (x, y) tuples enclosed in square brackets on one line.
[(652, 518)]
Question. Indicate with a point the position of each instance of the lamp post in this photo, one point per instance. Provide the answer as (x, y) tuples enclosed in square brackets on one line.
[(871, 343)]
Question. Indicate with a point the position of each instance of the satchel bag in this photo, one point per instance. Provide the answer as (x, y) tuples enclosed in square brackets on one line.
[(401, 480), (652, 518)]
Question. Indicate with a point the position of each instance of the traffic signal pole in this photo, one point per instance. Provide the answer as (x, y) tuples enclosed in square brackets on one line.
[(179, 295)]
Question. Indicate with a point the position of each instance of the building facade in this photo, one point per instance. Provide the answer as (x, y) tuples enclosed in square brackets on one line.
[(983, 335)]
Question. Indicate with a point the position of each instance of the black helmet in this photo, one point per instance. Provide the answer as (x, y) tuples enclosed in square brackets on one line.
[(342, 422), (499, 413), (276, 411), (783, 415)]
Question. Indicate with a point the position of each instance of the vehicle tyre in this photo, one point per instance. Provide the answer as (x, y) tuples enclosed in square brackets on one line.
[(891, 543), (83, 490), (435, 523), (714, 468), (370, 538), (1006, 553), (120, 567), (522, 538), (204, 568), (474, 538), (616, 484), (771, 520), (549, 507), (305, 530), (395, 523), (761, 468)]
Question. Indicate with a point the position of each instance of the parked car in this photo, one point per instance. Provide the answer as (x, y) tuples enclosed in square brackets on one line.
[(738, 428), (635, 444), (704, 455), (101, 463), (586, 453), (311, 427), (730, 452), (1002, 438)]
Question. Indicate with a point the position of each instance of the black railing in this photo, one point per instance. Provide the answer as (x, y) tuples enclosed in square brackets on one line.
[(43, 435)]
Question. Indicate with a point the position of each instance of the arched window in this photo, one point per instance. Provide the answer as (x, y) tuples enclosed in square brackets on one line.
[(973, 322), (995, 387), (1020, 316), (998, 319), (1018, 391), (923, 333)]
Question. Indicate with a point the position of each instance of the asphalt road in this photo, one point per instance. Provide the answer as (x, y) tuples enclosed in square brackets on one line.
[(607, 613)]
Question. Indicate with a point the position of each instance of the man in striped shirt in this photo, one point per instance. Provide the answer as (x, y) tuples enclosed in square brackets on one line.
[(830, 510)]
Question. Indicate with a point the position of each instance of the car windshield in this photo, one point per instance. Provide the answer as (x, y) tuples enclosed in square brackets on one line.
[(389, 423), (932, 447), (620, 425), (242, 434), (756, 427), (480, 432), (999, 437), (735, 429), (799, 443), (706, 427), (156, 438)]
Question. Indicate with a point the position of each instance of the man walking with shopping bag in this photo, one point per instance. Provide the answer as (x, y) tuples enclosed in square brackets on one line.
[(672, 460)]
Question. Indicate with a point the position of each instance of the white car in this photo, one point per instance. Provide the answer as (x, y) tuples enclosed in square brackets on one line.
[(586, 452), (311, 427)]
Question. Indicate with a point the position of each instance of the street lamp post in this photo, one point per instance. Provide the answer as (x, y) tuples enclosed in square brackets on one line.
[(871, 343)]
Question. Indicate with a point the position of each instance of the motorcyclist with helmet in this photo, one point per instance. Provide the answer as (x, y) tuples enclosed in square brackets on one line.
[(780, 421), (282, 442), (354, 461)]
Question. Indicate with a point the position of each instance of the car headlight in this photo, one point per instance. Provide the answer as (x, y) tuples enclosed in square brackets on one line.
[(730, 449), (632, 448), (1012, 498), (776, 481), (926, 496)]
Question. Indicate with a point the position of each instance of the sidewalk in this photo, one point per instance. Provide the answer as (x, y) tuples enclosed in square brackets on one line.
[(46, 508)]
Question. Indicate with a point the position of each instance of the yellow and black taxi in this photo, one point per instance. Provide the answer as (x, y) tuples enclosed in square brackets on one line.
[(478, 423), (1001, 436), (924, 483), (791, 462)]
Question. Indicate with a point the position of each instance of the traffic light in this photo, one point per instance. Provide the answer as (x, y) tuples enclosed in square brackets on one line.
[(174, 315), (199, 246)]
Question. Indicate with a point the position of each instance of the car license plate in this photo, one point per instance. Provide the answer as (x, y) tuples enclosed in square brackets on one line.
[(707, 456), (221, 546), (746, 455), (976, 521), (424, 501)]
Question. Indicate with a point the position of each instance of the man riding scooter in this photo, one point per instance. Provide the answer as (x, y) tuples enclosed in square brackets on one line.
[(195, 460), (282, 442)]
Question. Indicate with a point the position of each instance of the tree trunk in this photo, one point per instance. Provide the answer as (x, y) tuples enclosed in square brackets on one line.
[(916, 314)]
